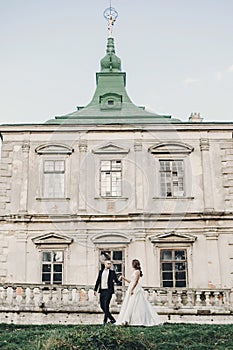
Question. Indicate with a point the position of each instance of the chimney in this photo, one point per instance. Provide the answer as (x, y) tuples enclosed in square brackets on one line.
[(195, 118)]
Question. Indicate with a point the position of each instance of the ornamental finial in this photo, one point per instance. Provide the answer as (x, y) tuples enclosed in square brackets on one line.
[(111, 15)]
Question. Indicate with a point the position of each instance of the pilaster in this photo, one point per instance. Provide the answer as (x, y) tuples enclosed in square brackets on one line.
[(213, 259), (23, 204), (139, 188), (206, 175), (82, 193)]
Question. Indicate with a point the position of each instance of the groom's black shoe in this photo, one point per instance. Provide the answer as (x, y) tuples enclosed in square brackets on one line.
[(113, 321)]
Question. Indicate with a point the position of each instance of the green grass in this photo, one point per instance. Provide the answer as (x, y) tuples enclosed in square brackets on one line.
[(87, 337)]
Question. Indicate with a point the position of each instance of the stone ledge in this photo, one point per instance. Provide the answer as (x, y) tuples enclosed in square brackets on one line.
[(40, 318)]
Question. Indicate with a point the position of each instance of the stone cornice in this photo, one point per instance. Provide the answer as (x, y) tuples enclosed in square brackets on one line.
[(34, 128), (131, 217)]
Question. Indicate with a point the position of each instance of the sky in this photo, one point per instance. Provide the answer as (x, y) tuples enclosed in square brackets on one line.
[(178, 56)]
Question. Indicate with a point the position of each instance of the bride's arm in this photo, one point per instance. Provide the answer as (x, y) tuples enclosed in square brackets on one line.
[(124, 278), (135, 282)]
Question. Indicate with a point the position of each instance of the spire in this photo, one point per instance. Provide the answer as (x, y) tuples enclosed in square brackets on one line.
[(110, 103), (110, 14), (110, 63)]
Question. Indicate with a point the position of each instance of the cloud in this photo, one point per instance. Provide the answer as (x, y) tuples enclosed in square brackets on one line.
[(190, 81), (223, 74)]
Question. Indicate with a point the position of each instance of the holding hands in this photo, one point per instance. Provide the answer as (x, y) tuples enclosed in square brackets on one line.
[(123, 278)]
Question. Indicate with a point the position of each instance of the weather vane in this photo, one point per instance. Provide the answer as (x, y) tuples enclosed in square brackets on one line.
[(111, 15)]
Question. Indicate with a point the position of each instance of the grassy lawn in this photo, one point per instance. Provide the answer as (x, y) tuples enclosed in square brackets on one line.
[(87, 337)]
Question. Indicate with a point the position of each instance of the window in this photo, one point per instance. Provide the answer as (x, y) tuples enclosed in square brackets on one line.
[(117, 258), (174, 267), (54, 179), (110, 101), (110, 178), (172, 178), (52, 267)]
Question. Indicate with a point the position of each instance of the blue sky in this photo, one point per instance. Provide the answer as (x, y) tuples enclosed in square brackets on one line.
[(178, 56)]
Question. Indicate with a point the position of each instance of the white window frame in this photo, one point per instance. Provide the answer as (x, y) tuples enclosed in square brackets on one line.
[(66, 195), (53, 241), (173, 261), (109, 152), (170, 172), (52, 264), (174, 241), (111, 256), (54, 152), (172, 150), (51, 175), (111, 171)]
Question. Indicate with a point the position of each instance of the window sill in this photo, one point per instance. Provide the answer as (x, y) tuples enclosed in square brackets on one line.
[(112, 198), (162, 198), (52, 199)]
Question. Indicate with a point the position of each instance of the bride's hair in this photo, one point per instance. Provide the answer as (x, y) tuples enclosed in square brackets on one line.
[(137, 266)]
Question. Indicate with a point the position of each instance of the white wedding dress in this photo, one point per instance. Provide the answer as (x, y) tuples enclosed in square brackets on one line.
[(136, 309)]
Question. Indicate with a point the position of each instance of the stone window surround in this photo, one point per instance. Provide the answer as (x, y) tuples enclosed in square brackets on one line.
[(174, 241), (173, 271), (172, 150), (54, 151), (54, 242), (110, 152)]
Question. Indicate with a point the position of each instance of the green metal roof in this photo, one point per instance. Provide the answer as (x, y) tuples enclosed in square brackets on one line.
[(111, 103)]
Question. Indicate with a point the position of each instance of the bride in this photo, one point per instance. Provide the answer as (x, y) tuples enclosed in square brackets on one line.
[(136, 309)]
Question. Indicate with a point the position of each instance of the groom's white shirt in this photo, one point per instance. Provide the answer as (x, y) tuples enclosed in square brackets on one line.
[(104, 279)]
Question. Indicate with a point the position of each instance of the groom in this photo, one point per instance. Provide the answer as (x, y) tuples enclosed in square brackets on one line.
[(105, 285)]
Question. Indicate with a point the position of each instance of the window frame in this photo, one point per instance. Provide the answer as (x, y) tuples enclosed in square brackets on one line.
[(172, 150), (172, 181), (177, 241), (117, 261), (173, 261), (52, 263), (53, 175), (109, 152), (53, 241), (53, 152), (111, 171), (66, 194)]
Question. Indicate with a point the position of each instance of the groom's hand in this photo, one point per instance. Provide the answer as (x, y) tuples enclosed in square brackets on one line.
[(95, 293)]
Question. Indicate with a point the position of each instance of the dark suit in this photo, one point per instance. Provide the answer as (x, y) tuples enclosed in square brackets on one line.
[(106, 294)]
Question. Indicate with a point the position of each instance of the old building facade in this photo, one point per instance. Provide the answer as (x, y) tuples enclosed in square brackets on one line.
[(113, 180)]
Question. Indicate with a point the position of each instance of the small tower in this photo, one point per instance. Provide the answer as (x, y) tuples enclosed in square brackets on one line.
[(110, 103)]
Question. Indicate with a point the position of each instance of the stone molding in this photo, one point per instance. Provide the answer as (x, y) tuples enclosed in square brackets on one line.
[(111, 238), (204, 144), (170, 148), (52, 239), (83, 146), (54, 148), (137, 146), (173, 237), (110, 148)]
